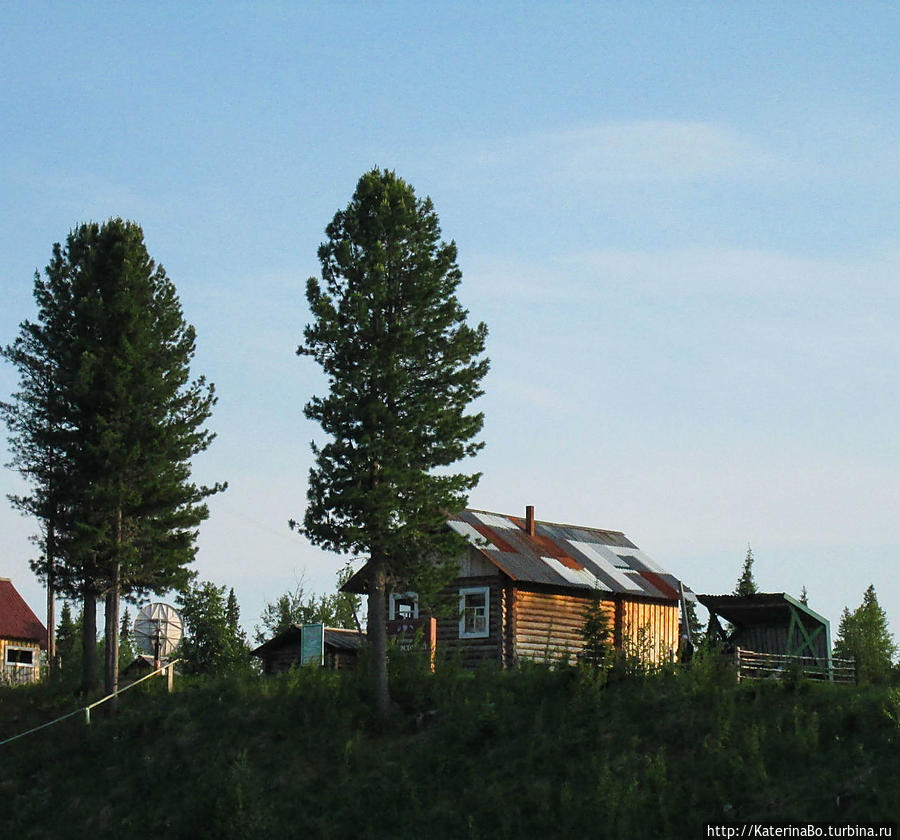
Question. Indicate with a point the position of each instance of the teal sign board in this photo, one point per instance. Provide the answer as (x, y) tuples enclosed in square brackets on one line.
[(312, 644)]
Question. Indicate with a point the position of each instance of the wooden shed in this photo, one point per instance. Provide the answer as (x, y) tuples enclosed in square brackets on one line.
[(22, 637), (772, 623), (523, 588), (340, 648)]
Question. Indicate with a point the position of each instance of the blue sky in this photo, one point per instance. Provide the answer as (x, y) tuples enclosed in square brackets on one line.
[(679, 221)]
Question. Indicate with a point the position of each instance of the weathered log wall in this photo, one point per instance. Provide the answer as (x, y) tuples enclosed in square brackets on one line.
[(549, 627), (288, 656), (470, 652)]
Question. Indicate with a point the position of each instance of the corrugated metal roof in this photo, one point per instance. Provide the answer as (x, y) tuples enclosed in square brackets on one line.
[(565, 555), (344, 639), (759, 608)]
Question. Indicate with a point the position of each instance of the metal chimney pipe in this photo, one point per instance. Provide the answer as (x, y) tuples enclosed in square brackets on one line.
[(529, 520)]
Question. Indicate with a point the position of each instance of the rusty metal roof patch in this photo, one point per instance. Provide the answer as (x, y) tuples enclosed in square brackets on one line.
[(565, 555)]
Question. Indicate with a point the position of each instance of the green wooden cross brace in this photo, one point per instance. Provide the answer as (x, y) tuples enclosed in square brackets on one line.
[(796, 647)]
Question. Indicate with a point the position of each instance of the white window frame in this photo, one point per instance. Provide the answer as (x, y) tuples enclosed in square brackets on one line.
[(402, 596), (475, 590), (19, 664)]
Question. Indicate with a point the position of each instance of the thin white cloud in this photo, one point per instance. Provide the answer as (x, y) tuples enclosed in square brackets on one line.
[(636, 151), (714, 274)]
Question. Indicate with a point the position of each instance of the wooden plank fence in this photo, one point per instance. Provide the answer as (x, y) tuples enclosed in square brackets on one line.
[(755, 666)]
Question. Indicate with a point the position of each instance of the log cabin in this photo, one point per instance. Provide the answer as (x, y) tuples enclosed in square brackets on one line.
[(22, 637), (340, 649), (523, 587)]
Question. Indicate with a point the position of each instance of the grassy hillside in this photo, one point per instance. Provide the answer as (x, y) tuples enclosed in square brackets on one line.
[(538, 752)]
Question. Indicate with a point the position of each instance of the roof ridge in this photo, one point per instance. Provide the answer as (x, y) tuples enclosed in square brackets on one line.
[(546, 521)]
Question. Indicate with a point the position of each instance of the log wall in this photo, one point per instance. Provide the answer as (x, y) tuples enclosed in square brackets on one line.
[(548, 627), (281, 659), (288, 656), (471, 652)]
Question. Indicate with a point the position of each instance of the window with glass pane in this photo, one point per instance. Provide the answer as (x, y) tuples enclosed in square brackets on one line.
[(19, 656), (403, 605), (474, 608)]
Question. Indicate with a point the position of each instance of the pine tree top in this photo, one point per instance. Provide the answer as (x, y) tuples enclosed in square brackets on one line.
[(746, 584)]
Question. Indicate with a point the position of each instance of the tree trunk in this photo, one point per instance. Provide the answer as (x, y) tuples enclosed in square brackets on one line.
[(111, 631), (111, 634), (50, 550), (89, 642), (377, 635)]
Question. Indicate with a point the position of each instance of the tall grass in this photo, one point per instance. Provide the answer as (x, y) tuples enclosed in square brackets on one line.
[(536, 752)]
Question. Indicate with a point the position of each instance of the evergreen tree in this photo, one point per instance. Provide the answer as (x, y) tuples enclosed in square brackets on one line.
[(863, 635), (233, 617), (597, 634), (746, 585), (68, 632), (127, 650), (693, 622), (111, 332), (402, 366), (212, 644), (35, 418)]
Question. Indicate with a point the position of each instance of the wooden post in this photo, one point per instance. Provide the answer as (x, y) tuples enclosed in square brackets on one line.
[(431, 641), (170, 678), (737, 661)]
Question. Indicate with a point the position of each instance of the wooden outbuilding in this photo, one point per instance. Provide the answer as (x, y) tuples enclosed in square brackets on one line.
[(339, 649), (773, 622), (22, 637), (523, 588)]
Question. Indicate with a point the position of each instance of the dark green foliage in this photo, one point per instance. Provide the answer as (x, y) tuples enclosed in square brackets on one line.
[(213, 641), (339, 609), (105, 389), (746, 585), (696, 626), (537, 752), (127, 649), (403, 367), (68, 639), (598, 636), (863, 635), (233, 618)]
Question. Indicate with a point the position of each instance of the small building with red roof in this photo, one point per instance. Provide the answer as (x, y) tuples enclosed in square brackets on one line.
[(22, 637)]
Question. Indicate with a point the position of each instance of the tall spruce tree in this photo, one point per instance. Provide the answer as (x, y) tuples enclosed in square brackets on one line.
[(863, 635), (746, 585), (34, 418), (403, 367), (111, 332), (68, 634)]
